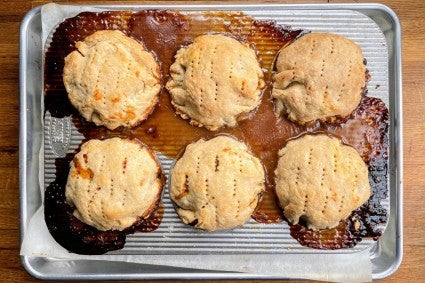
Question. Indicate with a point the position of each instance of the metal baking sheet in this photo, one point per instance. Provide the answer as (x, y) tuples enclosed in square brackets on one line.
[(173, 236), (382, 28)]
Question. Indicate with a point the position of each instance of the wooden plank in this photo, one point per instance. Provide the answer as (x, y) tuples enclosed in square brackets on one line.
[(412, 16)]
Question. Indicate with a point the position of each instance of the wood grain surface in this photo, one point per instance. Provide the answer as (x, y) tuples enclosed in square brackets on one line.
[(412, 17)]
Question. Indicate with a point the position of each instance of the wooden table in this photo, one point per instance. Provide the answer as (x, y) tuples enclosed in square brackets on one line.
[(412, 17)]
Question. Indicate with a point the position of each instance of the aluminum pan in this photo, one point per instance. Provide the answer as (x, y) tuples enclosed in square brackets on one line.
[(173, 237), (385, 258)]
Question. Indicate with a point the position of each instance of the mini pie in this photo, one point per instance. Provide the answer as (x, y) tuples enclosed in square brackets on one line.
[(112, 80), (319, 77), (215, 81), (216, 184), (320, 181), (113, 183)]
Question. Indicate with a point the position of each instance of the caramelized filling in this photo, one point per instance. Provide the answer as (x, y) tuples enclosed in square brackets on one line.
[(163, 33)]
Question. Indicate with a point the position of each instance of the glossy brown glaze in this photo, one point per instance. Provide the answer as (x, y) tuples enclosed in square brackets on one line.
[(163, 33)]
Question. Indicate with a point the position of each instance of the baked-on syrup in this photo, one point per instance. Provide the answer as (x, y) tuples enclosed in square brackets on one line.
[(163, 33)]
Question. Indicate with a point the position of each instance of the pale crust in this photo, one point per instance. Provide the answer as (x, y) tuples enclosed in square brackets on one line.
[(113, 183), (319, 77), (215, 81), (216, 184), (111, 80), (320, 180)]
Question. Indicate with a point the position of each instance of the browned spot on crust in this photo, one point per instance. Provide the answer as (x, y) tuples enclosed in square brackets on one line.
[(186, 189), (130, 114), (82, 172), (97, 94)]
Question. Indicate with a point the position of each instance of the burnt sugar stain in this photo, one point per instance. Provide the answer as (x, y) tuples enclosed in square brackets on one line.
[(370, 121), (163, 32), (76, 236)]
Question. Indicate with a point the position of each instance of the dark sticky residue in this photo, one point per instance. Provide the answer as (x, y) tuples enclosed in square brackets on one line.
[(77, 236), (163, 33)]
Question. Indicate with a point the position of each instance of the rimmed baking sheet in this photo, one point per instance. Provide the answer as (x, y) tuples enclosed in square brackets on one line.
[(172, 235)]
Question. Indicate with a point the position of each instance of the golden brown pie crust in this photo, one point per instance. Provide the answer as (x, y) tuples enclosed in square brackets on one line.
[(112, 80), (320, 180), (215, 81), (319, 77), (216, 184)]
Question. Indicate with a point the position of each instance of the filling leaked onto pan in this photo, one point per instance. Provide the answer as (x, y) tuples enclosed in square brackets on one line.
[(163, 33)]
